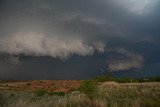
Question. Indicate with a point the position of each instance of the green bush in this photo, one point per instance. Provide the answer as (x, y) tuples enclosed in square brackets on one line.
[(123, 80), (126, 80), (157, 79), (150, 103), (89, 88), (40, 92), (3, 100), (104, 78)]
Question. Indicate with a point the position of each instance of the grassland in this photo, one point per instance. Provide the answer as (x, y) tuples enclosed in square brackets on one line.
[(86, 93), (47, 85)]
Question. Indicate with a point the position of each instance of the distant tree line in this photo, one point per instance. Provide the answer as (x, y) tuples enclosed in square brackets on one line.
[(126, 80)]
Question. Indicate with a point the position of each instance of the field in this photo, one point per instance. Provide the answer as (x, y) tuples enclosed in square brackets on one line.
[(48, 85), (73, 93)]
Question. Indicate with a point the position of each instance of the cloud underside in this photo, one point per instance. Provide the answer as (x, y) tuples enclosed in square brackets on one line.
[(125, 60), (61, 29), (35, 44)]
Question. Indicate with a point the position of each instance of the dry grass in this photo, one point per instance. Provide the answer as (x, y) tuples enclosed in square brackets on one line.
[(48, 85), (109, 94)]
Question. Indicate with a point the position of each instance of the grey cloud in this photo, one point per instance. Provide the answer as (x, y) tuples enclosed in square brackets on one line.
[(138, 7), (9, 59), (125, 61), (35, 44), (43, 29), (65, 28)]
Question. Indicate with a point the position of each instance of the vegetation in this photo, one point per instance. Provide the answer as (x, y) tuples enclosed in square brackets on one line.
[(104, 91), (40, 92), (89, 88), (126, 80)]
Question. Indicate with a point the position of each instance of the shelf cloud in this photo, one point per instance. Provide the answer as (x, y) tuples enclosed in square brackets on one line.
[(37, 44), (86, 35)]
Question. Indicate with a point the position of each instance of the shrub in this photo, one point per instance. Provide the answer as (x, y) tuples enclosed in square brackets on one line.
[(40, 92), (104, 78), (150, 103), (3, 100), (89, 88), (126, 80), (157, 79), (123, 80)]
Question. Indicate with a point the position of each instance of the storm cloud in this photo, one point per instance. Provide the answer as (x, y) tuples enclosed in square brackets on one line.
[(40, 30), (35, 44), (102, 35), (125, 60)]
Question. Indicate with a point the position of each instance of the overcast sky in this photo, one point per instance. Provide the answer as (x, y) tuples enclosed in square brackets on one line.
[(70, 39)]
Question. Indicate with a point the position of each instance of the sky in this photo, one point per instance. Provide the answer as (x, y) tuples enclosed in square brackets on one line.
[(71, 39)]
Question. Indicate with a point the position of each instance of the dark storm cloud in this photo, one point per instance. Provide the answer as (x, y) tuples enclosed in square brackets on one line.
[(8, 59), (40, 29), (64, 28)]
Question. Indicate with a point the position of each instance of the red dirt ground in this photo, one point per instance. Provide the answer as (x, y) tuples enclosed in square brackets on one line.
[(48, 85)]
